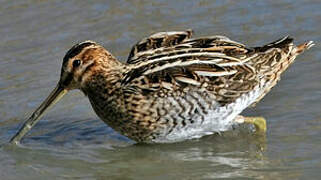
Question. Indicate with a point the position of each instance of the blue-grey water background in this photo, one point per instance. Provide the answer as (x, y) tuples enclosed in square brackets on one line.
[(70, 142)]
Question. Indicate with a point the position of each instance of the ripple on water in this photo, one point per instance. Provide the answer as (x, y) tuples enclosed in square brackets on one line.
[(70, 141)]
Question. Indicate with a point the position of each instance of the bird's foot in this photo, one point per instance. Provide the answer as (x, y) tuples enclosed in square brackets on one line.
[(258, 122)]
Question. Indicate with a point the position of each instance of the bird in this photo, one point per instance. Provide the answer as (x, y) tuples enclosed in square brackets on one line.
[(173, 87)]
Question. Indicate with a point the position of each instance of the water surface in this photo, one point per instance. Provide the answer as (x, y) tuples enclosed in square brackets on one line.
[(70, 142)]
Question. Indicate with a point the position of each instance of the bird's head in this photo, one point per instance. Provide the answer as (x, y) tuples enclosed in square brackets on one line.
[(83, 60), (79, 64)]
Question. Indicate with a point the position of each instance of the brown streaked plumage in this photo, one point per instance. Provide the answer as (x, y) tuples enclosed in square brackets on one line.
[(172, 87)]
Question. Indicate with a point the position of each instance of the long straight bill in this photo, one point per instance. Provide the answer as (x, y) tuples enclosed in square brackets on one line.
[(52, 99)]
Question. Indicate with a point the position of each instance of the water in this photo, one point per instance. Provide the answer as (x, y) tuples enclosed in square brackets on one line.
[(71, 143)]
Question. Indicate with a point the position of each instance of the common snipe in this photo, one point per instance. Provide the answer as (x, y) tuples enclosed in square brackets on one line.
[(173, 87)]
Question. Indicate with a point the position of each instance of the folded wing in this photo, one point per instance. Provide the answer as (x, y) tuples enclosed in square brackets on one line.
[(170, 62)]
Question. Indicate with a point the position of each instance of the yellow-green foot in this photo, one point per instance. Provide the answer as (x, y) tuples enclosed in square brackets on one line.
[(258, 122)]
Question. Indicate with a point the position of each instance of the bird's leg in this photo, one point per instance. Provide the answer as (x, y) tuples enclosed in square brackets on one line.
[(258, 122)]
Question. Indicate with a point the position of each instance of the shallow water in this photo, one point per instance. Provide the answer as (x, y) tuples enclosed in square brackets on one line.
[(71, 143)]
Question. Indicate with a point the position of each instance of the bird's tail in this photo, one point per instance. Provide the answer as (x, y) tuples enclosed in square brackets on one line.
[(279, 56), (285, 43), (302, 47)]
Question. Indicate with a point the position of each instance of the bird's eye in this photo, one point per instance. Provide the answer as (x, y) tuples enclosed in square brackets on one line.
[(76, 63)]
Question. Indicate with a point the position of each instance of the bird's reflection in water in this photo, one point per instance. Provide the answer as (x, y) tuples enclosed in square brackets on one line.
[(236, 153), (231, 154)]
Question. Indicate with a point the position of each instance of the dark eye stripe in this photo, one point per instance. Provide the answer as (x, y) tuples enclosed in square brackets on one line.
[(76, 49), (85, 71), (68, 80)]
